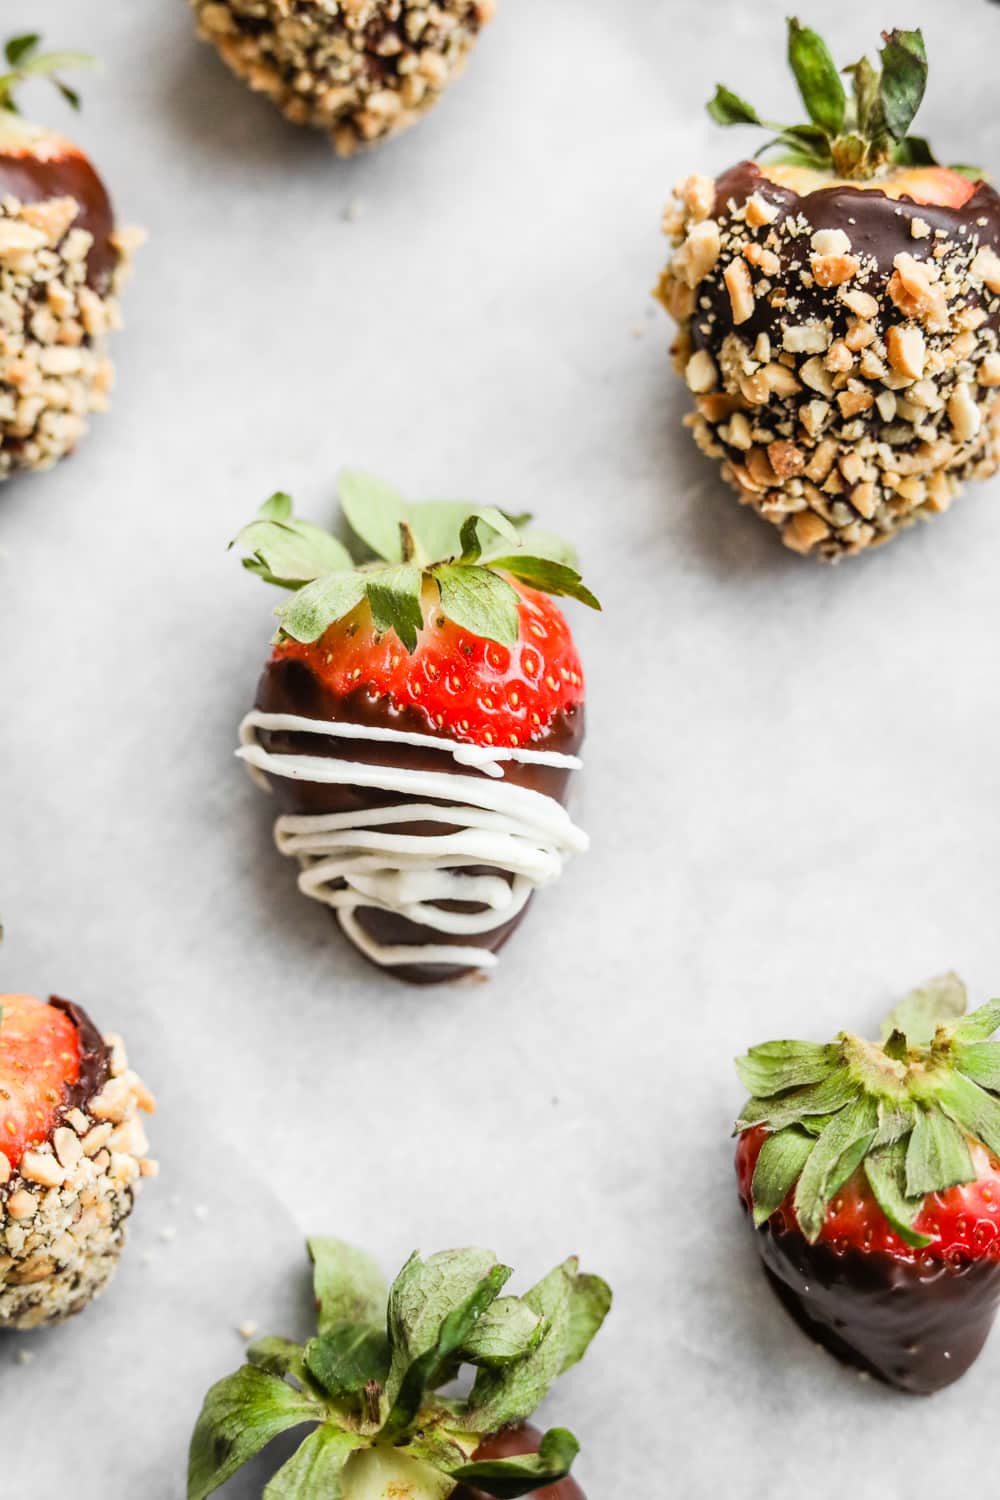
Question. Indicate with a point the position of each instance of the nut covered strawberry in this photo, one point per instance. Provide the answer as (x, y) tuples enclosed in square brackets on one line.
[(72, 1152), (419, 719), (61, 263), (839, 308), (871, 1173), (370, 1384), (362, 70)]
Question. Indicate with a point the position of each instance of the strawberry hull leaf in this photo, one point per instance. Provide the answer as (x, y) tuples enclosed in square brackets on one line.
[(348, 1284), (394, 598), (727, 108), (508, 1478), (779, 1166), (347, 1358), (240, 1416), (817, 77), (316, 1468), (590, 1303), (937, 1157), (375, 512), (277, 1356), (436, 1363), (507, 1331), (291, 553), (551, 577), (920, 1013), (480, 602), (904, 80), (885, 1170), (320, 604)]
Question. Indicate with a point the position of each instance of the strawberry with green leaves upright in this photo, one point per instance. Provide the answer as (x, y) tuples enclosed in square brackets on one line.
[(376, 1385), (419, 719), (838, 301), (61, 262), (871, 1171)]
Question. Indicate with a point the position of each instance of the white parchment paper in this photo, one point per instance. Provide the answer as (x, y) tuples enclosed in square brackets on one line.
[(791, 781)]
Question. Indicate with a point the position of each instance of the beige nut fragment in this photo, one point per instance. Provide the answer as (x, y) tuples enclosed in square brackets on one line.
[(834, 270), (986, 266), (699, 253), (759, 211), (700, 372), (806, 338), (40, 1167), (989, 371), (907, 349), (965, 417), (740, 289), (803, 531)]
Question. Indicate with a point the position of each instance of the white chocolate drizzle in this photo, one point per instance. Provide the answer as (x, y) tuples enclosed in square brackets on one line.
[(359, 859)]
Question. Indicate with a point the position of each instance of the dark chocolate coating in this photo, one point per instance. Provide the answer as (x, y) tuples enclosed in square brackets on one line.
[(95, 1057), (916, 1324), (289, 686), (67, 175), (878, 227), (508, 1444)]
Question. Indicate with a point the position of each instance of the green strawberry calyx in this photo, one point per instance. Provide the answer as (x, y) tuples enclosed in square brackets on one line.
[(369, 1383), (413, 557), (905, 1109), (856, 135), (25, 60)]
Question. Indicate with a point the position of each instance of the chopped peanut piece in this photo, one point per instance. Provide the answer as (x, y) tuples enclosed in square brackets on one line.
[(740, 289)]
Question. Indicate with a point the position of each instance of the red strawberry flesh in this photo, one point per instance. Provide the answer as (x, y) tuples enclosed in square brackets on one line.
[(39, 1065), (461, 686)]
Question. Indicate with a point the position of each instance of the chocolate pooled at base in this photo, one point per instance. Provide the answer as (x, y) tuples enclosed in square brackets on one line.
[(289, 686), (917, 1325)]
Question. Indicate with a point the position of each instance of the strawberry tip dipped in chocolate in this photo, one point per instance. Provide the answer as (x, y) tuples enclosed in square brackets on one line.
[(376, 1384), (62, 261), (419, 720), (361, 70), (839, 308), (871, 1173), (72, 1154)]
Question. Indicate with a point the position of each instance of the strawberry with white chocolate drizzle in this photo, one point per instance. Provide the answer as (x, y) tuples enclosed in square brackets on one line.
[(418, 720), (839, 309)]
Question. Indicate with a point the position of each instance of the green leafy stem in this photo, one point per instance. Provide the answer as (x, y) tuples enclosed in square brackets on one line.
[(854, 136), (368, 1383), (25, 60), (443, 554), (904, 1109)]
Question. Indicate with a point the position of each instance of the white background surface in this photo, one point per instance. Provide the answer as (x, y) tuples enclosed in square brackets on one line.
[(792, 773)]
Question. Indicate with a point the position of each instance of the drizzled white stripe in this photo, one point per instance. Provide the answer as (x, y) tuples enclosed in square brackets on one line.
[(355, 859)]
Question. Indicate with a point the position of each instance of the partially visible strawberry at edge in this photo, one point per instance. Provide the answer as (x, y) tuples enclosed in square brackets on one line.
[(39, 1060)]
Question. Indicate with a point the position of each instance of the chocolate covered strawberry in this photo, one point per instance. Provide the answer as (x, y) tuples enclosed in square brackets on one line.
[(72, 1152), (418, 720), (375, 1385), (839, 309), (872, 1176), (362, 70), (61, 263)]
